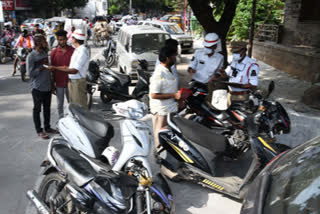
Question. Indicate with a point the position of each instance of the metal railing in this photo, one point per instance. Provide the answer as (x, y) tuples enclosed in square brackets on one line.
[(267, 32)]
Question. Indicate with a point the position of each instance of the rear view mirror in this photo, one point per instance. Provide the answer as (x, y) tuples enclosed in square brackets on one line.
[(270, 88)]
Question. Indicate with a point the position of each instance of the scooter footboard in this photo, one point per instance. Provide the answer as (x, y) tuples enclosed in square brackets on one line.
[(228, 185)]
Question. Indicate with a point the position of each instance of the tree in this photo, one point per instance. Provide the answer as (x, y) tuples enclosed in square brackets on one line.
[(55, 6), (215, 16), (268, 11)]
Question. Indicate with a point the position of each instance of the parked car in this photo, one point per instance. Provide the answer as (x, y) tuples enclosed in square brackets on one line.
[(185, 41), (30, 23), (289, 184), (138, 43)]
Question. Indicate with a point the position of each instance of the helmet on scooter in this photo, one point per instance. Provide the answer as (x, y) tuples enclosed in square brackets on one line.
[(93, 71), (132, 109)]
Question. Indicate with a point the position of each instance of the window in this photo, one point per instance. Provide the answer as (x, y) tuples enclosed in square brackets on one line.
[(309, 10), (151, 42)]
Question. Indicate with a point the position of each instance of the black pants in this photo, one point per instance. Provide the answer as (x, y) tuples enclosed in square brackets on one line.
[(41, 98)]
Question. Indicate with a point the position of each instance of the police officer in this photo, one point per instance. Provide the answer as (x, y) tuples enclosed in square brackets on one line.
[(243, 75), (206, 62)]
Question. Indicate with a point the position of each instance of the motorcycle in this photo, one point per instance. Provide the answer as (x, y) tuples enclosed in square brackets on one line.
[(185, 142), (115, 85), (109, 53), (228, 122), (22, 54), (6, 50), (89, 135)]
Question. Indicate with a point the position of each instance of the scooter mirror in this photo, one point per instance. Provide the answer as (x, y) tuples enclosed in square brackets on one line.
[(270, 88)]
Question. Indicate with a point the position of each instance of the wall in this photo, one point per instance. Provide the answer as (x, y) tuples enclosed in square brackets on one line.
[(303, 63), (301, 23)]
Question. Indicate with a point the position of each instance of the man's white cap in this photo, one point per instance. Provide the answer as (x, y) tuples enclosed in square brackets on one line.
[(79, 34), (211, 39)]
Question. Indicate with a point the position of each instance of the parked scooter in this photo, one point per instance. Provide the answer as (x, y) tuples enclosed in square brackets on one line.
[(89, 135), (115, 85), (6, 50), (186, 142), (109, 53), (22, 54)]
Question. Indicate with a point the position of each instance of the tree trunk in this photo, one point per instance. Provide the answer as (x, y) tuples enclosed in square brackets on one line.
[(204, 14)]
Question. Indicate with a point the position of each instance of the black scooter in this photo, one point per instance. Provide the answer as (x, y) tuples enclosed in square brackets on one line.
[(114, 85), (186, 149)]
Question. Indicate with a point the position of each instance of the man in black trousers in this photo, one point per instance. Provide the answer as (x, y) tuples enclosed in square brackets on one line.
[(40, 77)]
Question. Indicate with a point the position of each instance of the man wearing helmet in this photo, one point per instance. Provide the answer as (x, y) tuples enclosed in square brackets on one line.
[(243, 75), (206, 62), (25, 40)]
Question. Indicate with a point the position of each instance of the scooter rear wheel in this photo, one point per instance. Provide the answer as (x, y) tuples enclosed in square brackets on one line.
[(105, 97)]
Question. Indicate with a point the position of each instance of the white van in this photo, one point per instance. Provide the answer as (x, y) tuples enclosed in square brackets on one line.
[(137, 43)]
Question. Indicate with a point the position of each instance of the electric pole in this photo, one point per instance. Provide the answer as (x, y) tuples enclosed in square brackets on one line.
[(130, 7)]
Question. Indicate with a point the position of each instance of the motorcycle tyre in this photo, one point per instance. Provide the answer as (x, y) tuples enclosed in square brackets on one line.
[(44, 186), (110, 61), (2, 58), (105, 97), (23, 72), (89, 101)]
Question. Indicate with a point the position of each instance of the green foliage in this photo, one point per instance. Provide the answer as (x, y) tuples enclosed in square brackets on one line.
[(240, 27)]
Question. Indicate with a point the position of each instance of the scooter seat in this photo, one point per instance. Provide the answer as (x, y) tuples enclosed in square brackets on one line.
[(201, 135), (70, 162), (92, 121), (123, 78)]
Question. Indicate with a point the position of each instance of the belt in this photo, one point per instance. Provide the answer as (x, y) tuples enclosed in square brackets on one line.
[(73, 80), (239, 92)]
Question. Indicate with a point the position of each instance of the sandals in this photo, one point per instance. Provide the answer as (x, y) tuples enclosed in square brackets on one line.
[(43, 135)]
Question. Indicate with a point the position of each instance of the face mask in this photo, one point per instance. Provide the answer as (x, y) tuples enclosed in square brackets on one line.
[(208, 50), (236, 57)]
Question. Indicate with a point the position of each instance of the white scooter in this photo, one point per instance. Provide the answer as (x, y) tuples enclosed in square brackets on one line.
[(90, 134)]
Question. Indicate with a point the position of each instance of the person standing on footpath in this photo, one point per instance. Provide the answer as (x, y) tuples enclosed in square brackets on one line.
[(41, 86), (243, 74), (163, 91), (206, 62), (61, 56), (77, 70)]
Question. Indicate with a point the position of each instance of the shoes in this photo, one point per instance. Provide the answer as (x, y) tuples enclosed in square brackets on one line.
[(51, 131), (43, 135), (13, 73)]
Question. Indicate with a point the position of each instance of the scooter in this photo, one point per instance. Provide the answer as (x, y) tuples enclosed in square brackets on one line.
[(6, 50), (184, 143), (89, 134), (114, 85), (109, 53)]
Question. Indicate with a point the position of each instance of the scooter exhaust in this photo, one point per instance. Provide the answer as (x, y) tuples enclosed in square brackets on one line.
[(37, 202)]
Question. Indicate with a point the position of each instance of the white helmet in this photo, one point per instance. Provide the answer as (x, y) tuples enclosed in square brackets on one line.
[(132, 109), (211, 39)]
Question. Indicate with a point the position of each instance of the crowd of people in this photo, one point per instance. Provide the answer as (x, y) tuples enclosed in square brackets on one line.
[(64, 76)]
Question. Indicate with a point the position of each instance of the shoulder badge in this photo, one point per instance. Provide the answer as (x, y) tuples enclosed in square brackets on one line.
[(253, 73), (192, 58)]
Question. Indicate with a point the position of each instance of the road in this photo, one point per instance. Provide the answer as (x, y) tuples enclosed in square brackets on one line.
[(22, 151)]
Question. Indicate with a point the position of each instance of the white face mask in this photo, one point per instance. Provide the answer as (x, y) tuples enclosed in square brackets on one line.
[(236, 57), (208, 50)]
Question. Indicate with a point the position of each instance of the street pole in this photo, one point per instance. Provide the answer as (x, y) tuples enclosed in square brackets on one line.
[(184, 15), (130, 7), (253, 15)]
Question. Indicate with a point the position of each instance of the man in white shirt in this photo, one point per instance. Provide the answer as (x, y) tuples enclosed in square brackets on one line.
[(243, 74), (171, 43), (206, 62), (163, 91), (77, 70)]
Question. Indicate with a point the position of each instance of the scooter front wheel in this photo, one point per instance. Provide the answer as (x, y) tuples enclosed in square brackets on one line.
[(110, 60), (105, 97)]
